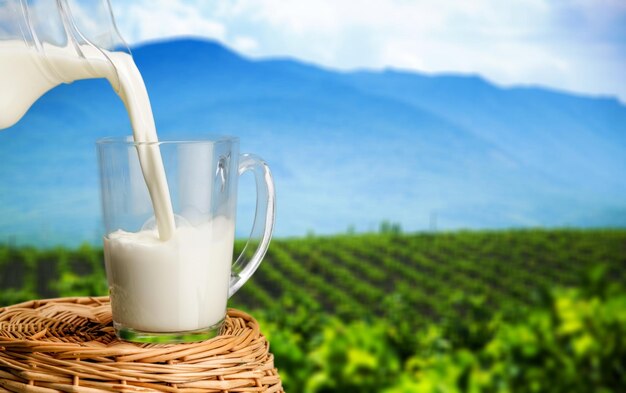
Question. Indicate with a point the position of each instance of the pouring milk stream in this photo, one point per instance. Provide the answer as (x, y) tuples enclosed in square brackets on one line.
[(135, 262), (29, 75)]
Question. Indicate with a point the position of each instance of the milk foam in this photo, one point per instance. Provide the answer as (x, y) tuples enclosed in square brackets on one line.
[(169, 286)]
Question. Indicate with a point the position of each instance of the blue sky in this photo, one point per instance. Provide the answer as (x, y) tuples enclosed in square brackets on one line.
[(575, 45)]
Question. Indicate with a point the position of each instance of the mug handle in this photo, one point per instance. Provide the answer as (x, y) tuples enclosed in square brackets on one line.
[(263, 225)]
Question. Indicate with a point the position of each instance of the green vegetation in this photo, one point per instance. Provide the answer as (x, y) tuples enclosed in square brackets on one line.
[(493, 311)]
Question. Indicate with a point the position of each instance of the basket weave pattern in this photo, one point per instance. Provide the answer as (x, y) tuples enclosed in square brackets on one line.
[(69, 345)]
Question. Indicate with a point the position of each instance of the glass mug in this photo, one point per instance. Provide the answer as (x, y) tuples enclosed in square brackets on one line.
[(177, 290)]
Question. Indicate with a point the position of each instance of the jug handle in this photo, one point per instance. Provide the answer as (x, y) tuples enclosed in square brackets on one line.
[(263, 225)]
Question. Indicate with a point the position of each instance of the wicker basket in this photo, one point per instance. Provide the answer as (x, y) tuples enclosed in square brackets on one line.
[(68, 345)]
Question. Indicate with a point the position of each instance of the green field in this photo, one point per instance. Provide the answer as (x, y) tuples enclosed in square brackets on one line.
[(492, 311)]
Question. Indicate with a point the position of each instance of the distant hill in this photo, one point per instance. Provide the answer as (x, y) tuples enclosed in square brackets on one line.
[(347, 148)]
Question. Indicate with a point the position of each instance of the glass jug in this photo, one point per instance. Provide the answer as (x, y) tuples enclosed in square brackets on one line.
[(44, 43)]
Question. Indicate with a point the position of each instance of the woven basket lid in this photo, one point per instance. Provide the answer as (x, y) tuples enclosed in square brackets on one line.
[(69, 345)]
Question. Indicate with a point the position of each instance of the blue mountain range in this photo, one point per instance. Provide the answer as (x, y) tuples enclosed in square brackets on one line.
[(348, 149)]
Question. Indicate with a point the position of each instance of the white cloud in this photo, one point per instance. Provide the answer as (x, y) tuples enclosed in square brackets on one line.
[(245, 44), (510, 42), (153, 19)]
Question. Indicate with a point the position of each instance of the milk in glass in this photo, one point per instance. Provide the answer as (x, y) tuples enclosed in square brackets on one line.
[(170, 286)]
